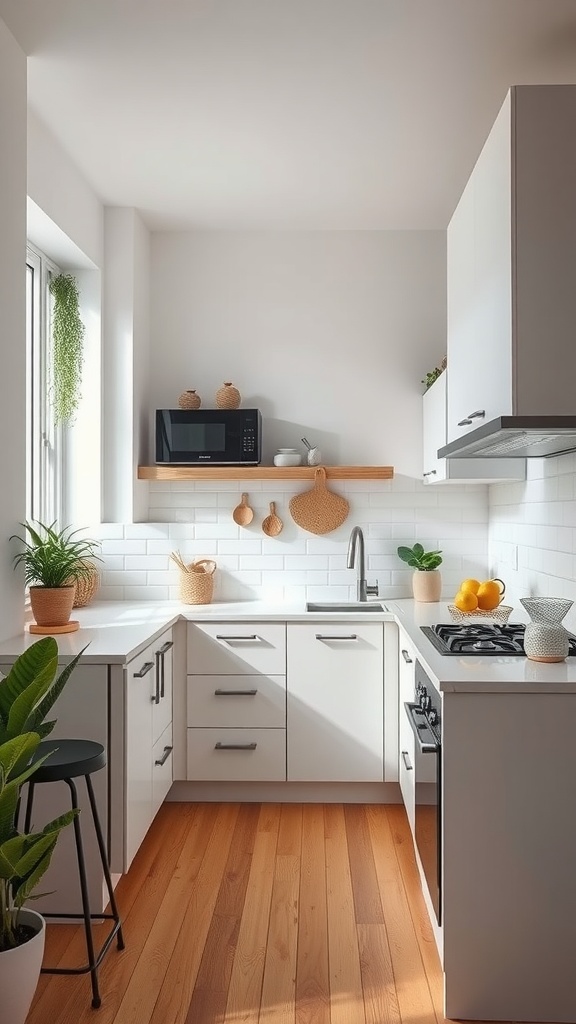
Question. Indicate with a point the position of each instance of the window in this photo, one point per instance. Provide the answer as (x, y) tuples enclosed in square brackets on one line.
[(45, 441)]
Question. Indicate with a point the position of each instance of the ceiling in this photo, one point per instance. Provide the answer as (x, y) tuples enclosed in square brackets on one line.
[(275, 114)]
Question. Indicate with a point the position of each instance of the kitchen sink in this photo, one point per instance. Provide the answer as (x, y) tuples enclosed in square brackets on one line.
[(345, 606)]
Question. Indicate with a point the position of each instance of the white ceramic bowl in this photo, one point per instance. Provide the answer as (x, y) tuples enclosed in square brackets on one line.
[(287, 459)]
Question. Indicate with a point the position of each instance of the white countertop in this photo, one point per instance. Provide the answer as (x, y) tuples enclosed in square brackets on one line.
[(118, 630)]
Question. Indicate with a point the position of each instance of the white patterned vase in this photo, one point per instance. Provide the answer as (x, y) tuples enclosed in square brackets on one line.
[(545, 639)]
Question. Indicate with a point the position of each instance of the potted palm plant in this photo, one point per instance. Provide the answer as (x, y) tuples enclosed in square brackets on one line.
[(27, 694), (54, 560), (426, 581)]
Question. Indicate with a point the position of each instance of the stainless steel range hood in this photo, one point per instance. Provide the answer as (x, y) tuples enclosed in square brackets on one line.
[(522, 437)]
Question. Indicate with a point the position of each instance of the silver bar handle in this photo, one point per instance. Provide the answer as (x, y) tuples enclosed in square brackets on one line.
[(406, 759), (166, 647), (235, 693), (165, 756), (478, 414), (235, 746), (339, 636), (464, 423), (144, 670), (234, 639), (406, 657)]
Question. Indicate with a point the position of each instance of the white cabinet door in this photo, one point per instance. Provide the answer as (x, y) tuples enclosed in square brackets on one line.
[(234, 648), (335, 683), (406, 673)]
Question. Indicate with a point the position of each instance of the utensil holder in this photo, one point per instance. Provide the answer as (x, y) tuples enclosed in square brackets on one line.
[(197, 583)]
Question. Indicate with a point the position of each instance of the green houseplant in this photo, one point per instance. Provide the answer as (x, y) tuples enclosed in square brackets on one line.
[(54, 560), (27, 695), (426, 581), (68, 346)]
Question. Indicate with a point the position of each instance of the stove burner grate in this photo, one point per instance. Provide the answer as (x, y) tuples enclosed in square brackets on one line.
[(481, 639)]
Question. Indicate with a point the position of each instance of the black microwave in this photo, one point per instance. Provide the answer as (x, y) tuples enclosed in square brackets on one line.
[(211, 437)]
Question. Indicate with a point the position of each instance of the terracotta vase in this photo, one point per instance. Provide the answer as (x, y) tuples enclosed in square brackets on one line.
[(228, 397), (427, 586), (189, 400), (52, 606)]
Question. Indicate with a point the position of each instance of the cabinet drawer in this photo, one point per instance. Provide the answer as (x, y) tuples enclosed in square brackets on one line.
[(261, 757), (237, 701), (233, 648), (161, 768)]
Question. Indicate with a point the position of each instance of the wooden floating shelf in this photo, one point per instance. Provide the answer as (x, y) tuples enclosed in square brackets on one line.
[(263, 472)]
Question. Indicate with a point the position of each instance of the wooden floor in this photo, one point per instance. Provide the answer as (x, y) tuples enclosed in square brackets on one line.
[(261, 913)]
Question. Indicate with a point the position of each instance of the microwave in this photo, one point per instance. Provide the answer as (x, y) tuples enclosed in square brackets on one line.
[(211, 437)]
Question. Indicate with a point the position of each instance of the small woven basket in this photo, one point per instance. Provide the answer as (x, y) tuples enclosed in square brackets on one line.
[(499, 614), (197, 583), (86, 586)]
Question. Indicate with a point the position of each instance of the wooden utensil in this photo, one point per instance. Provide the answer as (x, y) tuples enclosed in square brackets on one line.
[(272, 525), (243, 514), (319, 510)]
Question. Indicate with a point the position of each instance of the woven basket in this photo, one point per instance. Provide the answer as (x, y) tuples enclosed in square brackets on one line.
[(499, 614), (319, 510), (86, 586), (197, 583)]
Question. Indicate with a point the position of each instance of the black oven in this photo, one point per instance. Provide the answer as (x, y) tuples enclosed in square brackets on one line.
[(425, 717), (209, 437)]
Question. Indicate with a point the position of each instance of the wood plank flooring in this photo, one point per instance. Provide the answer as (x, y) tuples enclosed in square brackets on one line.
[(261, 914)]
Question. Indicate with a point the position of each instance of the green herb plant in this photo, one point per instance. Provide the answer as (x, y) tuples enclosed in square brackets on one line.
[(425, 561), (432, 376), (52, 558), (68, 344), (27, 694)]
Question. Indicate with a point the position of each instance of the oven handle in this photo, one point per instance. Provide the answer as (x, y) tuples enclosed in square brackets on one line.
[(425, 738)]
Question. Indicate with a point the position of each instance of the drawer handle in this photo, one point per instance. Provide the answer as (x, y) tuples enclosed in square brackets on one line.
[(432, 472), (406, 760), (236, 639), (144, 670), (165, 756), (235, 746), (406, 657), (235, 693), (478, 414), (166, 647), (338, 636)]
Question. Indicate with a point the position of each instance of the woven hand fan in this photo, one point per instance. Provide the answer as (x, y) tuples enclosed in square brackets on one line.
[(319, 510)]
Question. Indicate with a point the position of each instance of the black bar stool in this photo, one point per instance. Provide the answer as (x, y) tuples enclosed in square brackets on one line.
[(69, 759)]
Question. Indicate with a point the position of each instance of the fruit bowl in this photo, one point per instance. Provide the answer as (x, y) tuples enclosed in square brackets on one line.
[(500, 614)]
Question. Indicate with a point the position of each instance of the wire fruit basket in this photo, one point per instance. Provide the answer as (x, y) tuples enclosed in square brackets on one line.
[(500, 614)]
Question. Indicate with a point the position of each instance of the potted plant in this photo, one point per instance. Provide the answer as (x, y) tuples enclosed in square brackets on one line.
[(26, 696), (432, 375), (427, 580), (68, 344), (53, 561)]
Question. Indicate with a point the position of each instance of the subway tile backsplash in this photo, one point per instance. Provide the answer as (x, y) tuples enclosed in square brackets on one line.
[(196, 519)]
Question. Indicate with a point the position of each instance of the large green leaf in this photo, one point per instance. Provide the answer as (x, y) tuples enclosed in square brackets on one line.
[(24, 671), (23, 891), (57, 824), (17, 749), (36, 848), (25, 704), (10, 853), (47, 702)]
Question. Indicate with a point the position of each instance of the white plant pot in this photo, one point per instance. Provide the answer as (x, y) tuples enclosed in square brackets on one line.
[(427, 586), (20, 971)]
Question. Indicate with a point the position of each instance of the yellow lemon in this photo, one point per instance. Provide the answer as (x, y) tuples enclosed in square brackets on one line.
[(490, 594), (466, 601), (470, 586)]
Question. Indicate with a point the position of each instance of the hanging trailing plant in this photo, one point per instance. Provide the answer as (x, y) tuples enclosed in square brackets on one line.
[(67, 339)]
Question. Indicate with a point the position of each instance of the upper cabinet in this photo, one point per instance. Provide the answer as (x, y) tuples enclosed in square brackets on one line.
[(444, 471), (511, 256)]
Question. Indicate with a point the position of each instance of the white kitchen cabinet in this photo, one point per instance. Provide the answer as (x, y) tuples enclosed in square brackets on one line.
[(511, 247), (335, 686), (406, 690), (148, 740), (443, 471), (236, 702)]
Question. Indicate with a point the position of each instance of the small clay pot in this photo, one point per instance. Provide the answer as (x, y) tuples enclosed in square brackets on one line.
[(189, 400), (228, 397)]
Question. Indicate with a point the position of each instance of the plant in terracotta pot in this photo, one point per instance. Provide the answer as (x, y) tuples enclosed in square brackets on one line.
[(427, 580), (27, 695), (53, 561)]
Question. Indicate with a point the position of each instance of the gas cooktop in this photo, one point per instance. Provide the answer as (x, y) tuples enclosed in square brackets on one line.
[(480, 639)]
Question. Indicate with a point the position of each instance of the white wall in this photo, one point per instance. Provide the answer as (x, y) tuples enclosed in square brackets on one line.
[(328, 333), (12, 321), (532, 534)]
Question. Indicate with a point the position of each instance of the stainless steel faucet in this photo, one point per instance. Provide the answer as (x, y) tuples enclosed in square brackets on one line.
[(356, 557)]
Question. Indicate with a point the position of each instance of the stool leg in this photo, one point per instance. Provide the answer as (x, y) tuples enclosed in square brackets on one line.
[(29, 803), (104, 858), (85, 900)]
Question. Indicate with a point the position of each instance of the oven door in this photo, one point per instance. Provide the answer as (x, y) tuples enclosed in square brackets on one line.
[(428, 789)]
